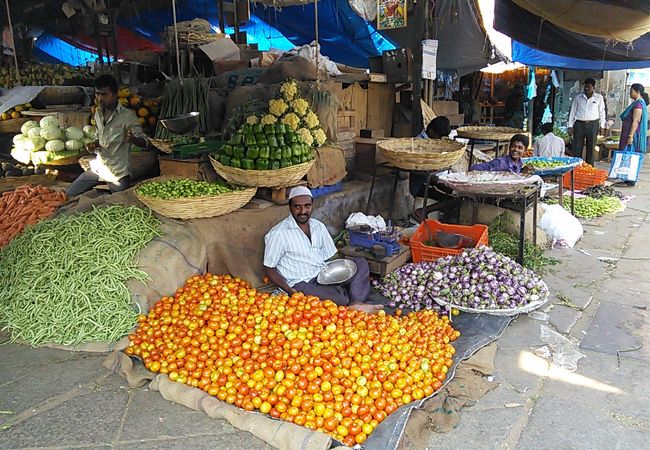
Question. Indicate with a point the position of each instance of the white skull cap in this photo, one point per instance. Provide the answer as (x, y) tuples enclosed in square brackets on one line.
[(299, 190)]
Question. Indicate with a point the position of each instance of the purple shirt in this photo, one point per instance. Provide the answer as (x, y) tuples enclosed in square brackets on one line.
[(502, 164)]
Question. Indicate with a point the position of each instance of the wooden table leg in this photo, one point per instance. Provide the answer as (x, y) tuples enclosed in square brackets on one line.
[(392, 196), (471, 152), (372, 188), (425, 214)]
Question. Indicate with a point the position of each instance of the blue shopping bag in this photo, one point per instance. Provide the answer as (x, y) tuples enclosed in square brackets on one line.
[(626, 164)]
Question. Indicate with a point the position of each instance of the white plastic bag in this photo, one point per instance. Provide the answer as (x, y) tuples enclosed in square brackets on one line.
[(377, 223), (558, 224)]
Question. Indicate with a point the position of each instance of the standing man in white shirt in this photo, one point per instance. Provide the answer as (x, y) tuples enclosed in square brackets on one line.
[(296, 250), (587, 117), (549, 145)]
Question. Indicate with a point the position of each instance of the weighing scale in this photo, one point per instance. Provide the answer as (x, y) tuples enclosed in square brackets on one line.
[(186, 127)]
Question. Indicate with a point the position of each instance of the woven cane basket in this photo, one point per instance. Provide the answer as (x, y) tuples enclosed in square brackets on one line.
[(288, 176), (196, 207), (492, 183), (421, 154), (491, 133)]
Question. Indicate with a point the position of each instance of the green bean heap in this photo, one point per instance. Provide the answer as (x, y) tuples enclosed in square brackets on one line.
[(64, 279)]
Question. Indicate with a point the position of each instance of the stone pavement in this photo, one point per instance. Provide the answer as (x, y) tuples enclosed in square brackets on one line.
[(56, 399)]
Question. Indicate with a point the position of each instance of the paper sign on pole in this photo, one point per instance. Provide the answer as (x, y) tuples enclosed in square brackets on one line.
[(429, 56)]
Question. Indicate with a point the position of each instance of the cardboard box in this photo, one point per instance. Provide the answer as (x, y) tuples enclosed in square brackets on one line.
[(456, 120), (444, 108)]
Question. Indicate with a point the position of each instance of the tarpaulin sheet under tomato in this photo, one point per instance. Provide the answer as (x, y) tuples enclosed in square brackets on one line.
[(476, 331)]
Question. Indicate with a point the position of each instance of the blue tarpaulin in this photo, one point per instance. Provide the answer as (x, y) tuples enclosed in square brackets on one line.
[(529, 56), (343, 35)]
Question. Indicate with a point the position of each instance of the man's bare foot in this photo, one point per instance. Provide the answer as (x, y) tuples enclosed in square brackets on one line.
[(370, 309)]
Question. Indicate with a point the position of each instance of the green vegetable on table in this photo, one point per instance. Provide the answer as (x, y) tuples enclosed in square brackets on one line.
[(507, 244), (64, 282), (538, 164), (590, 208), (181, 188)]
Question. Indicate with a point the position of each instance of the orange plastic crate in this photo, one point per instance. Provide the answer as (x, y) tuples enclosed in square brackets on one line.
[(420, 252), (585, 178)]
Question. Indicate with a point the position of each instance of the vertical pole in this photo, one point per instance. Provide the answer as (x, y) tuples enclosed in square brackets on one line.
[(531, 103), (316, 36), (11, 32), (420, 18), (178, 55), (236, 13), (222, 17)]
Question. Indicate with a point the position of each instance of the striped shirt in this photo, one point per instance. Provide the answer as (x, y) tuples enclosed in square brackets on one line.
[(289, 250)]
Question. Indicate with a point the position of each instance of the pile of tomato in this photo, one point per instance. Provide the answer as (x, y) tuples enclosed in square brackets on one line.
[(298, 358)]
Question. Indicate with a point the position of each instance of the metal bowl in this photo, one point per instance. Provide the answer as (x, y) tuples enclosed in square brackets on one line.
[(182, 124), (337, 272)]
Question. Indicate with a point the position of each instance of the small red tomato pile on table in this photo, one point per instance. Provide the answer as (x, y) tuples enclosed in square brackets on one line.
[(298, 358)]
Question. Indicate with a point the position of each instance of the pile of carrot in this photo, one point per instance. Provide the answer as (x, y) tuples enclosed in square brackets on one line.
[(26, 206)]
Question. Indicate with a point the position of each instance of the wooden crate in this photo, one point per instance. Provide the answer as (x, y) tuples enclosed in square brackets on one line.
[(345, 120), (189, 168), (12, 125), (381, 266)]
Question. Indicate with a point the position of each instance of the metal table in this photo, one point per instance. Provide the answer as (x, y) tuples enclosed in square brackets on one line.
[(560, 189), (395, 171), (526, 199)]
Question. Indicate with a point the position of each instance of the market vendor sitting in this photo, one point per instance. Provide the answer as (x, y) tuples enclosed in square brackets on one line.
[(117, 129), (296, 250), (512, 161)]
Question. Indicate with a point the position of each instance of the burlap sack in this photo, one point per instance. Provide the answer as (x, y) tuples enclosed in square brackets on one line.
[(441, 413), (295, 67), (279, 434)]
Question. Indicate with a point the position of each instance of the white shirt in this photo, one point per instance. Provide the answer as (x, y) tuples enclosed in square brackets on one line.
[(587, 109), (112, 161), (288, 249), (549, 146)]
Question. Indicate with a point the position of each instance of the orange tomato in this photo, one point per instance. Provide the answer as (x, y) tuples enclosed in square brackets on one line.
[(296, 357)]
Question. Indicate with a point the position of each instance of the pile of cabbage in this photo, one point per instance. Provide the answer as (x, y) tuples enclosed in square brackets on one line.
[(46, 141), (478, 278)]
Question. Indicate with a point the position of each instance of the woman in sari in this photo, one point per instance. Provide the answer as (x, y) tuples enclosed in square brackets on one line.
[(634, 129)]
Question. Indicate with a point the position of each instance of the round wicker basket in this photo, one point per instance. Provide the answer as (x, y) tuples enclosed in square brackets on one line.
[(489, 183), (288, 176), (421, 154), (491, 133), (196, 207)]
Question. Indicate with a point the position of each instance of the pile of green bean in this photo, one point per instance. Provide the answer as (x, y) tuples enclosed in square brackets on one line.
[(64, 279)]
